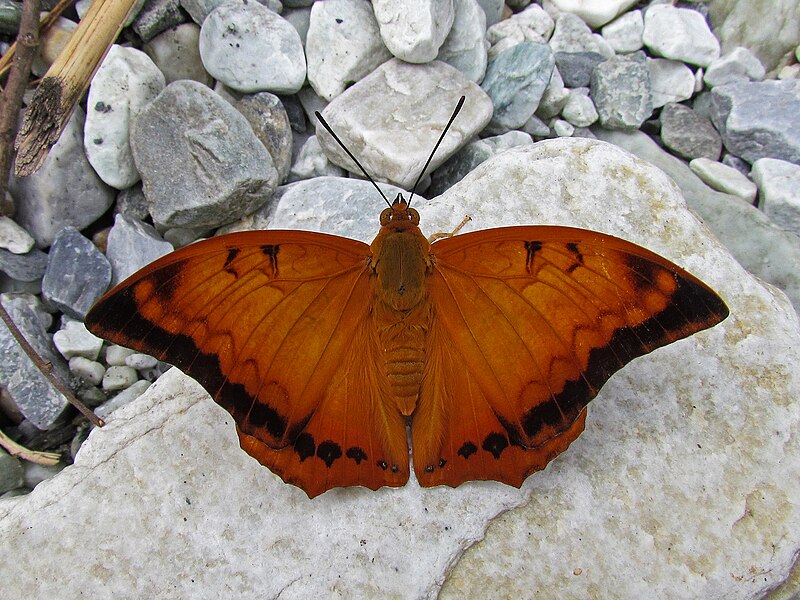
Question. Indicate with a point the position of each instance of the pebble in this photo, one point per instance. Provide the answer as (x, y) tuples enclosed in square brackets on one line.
[(251, 49), (77, 274), (31, 394), (515, 81), (13, 237), (530, 25), (64, 191), (493, 9), (218, 169), (554, 98), (466, 47), (751, 132), (131, 245), (689, 133), (270, 123), (571, 34), (119, 377), (157, 16), (624, 34), (344, 44), (579, 109), (595, 14), (51, 44), (737, 65), (126, 396), (73, 339), (779, 183), (679, 34), (11, 472), (24, 267), (385, 106), (724, 178), (670, 81), (621, 91), (300, 19), (141, 361), (414, 30), (89, 371), (312, 162), (576, 67), (117, 355), (562, 128), (132, 202), (176, 53)]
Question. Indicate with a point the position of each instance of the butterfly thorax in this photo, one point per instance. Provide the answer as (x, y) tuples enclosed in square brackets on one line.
[(401, 264)]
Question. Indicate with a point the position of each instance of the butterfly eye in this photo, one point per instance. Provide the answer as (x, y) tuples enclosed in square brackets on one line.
[(414, 216), (386, 216)]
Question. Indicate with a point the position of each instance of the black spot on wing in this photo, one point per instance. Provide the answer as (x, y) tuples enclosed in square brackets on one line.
[(357, 454), (232, 254), (531, 248), (329, 452), (382, 464), (271, 252), (495, 443), (467, 449), (304, 446)]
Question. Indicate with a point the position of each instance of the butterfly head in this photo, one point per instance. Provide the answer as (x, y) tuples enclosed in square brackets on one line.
[(400, 215)]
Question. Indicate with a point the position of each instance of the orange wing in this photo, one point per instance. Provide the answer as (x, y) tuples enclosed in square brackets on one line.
[(529, 323), (276, 326)]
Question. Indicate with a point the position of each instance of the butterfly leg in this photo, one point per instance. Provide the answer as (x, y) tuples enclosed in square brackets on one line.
[(440, 235)]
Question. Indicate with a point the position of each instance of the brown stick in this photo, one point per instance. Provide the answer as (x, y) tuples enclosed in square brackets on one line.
[(34, 456), (66, 80), (11, 101), (47, 22)]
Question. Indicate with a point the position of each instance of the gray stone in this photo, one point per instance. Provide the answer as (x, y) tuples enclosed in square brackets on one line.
[(737, 163), (391, 119), (515, 81), (125, 82), (251, 49), (132, 202), (688, 133), (132, 245), (300, 18), (750, 131), (737, 65), (77, 273), (624, 34), (344, 44), (156, 17), (576, 67), (31, 393), (23, 267), (414, 30), (267, 117), (123, 398), (554, 98), (141, 361), (670, 81), (177, 54), (64, 191), (562, 128), (679, 34), (217, 170), (531, 25), (13, 237), (762, 247), (493, 9), (312, 162), (637, 467), (200, 9), (536, 127), (579, 109), (51, 43), (11, 472), (723, 178), (571, 34), (769, 28), (621, 91), (465, 47), (595, 14), (779, 191)]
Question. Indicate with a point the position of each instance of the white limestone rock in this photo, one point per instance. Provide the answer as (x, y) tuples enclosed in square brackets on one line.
[(530, 25), (465, 47), (594, 13), (73, 339), (724, 178), (176, 53), (571, 34), (119, 378), (579, 109), (125, 82), (674, 445), (779, 191), (670, 81), (737, 65), (343, 45), (679, 34), (251, 49), (414, 30), (624, 34), (312, 162), (392, 119), (89, 371), (13, 237)]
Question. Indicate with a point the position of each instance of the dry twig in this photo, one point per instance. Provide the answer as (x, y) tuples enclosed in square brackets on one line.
[(15, 449)]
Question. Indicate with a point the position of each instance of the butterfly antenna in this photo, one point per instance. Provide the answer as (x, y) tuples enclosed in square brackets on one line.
[(350, 154), (436, 147)]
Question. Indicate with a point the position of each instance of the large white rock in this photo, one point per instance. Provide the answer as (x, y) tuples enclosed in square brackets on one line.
[(125, 82), (779, 191), (681, 485), (414, 30), (670, 81), (679, 34), (343, 45), (595, 12)]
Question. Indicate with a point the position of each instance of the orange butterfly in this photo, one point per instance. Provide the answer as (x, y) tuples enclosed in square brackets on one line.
[(488, 344)]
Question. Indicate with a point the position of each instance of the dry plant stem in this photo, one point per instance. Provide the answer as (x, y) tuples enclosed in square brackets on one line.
[(28, 40), (66, 80), (46, 370), (47, 22), (15, 449)]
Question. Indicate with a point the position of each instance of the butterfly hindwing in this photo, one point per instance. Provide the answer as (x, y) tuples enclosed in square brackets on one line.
[(269, 323), (534, 320)]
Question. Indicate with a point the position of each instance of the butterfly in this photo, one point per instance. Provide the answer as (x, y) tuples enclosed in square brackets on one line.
[(488, 345)]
